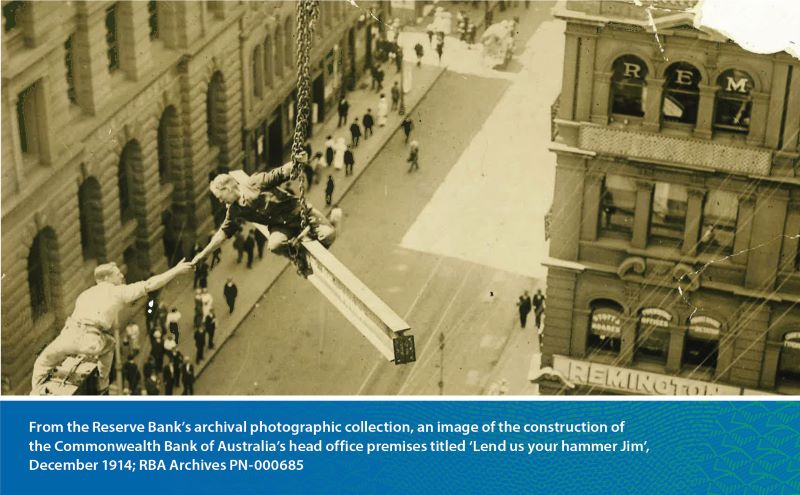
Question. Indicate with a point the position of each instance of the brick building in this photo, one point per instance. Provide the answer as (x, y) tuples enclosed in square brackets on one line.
[(115, 114), (674, 265)]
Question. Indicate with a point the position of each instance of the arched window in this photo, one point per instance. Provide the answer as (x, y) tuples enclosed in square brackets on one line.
[(681, 93), (605, 326), (288, 44), (168, 136), (90, 212), (628, 86), (268, 62), (214, 110), (41, 270), (652, 340), (789, 363), (123, 182), (279, 41), (701, 346), (734, 102)]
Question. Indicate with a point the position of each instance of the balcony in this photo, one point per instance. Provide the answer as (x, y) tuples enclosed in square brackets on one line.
[(673, 150)]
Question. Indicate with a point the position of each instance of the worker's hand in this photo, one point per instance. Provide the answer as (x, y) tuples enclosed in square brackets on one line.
[(183, 266)]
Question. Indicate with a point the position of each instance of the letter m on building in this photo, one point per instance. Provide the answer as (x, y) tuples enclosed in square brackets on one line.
[(739, 85)]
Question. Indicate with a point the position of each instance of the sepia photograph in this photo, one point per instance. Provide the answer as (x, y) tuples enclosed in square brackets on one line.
[(398, 198)]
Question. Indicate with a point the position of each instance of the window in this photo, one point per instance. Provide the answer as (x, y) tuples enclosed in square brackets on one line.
[(718, 229), (39, 274), (652, 342), (288, 45), (628, 86), (268, 69), (167, 139), (701, 346), (216, 134), (605, 327), (681, 94), (279, 41), (258, 79), (68, 61), (27, 118), (617, 206), (111, 38), (11, 13), (123, 177), (89, 211), (734, 103), (668, 216), (789, 362), (152, 11)]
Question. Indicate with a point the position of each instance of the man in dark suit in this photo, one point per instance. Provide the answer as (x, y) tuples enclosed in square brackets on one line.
[(524, 306), (369, 121), (169, 376), (230, 291), (188, 377)]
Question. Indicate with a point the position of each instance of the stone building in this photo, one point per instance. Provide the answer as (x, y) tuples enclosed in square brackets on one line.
[(674, 265), (114, 116)]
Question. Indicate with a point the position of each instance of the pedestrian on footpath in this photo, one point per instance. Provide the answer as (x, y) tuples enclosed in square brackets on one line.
[(230, 291), (338, 157), (380, 75), (157, 351), (420, 51), (407, 124), (148, 367), (188, 377), (199, 344), (440, 48), (173, 319), (162, 317), (413, 156), (132, 332), (349, 161), (538, 307), (524, 307), (429, 31), (168, 375), (238, 245), (383, 110), (395, 96), (151, 384), (329, 151), (130, 371), (177, 361), (210, 326), (329, 191), (249, 248), (201, 271), (208, 303), (374, 73), (216, 257), (198, 308), (261, 242), (316, 163), (344, 108), (368, 123), (355, 131)]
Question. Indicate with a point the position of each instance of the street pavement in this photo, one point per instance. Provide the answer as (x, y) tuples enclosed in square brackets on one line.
[(252, 283), (461, 308)]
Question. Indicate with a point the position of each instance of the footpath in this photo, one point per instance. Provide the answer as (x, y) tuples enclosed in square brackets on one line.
[(253, 283)]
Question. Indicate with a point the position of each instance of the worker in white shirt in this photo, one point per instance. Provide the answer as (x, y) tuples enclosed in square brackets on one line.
[(88, 330)]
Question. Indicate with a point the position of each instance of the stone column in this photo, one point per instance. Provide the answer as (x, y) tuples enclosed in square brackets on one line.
[(724, 358), (583, 98), (705, 111), (567, 104), (593, 187), (758, 118), (694, 216), (628, 339), (769, 367), (775, 112), (677, 337), (641, 215), (601, 97), (652, 104)]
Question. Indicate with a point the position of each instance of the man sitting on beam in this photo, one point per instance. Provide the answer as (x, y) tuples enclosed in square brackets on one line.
[(262, 200)]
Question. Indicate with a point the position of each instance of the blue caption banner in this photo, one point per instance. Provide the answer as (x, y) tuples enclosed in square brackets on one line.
[(608, 447)]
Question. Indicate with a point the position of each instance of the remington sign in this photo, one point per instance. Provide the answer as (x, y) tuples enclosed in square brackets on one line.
[(612, 378)]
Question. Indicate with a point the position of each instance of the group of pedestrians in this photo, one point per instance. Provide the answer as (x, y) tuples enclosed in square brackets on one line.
[(525, 304)]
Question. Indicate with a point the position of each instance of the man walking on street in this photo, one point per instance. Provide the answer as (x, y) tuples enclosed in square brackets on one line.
[(524, 306), (249, 248), (407, 124), (538, 307), (188, 377), (238, 245), (230, 291), (173, 319), (329, 191), (344, 108), (210, 326), (413, 157), (368, 123), (132, 376), (349, 161), (199, 344), (261, 241), (355, 131), (395, 96), (89, 329), (420, 52)]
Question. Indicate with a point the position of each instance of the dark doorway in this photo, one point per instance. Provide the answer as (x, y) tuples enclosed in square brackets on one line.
[(318, 97), (351, 56), (275, 142)]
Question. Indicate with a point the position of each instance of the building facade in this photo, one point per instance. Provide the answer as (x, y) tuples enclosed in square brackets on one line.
[(114, 116), (674, 265)]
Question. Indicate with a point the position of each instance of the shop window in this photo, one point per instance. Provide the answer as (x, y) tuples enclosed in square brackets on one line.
[(718, 230), (605, 327), (652, 341), (734, 103), (69, 62), (628, 86), (152, 18), (681, 94), (617, 206), (668, 215), (701, 346), (111, 38), (789, 362)]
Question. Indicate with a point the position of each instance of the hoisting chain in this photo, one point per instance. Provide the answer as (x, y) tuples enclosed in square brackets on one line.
[(307, 15)]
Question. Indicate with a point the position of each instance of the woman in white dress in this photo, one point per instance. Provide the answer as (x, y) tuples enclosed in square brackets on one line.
[(338, 153), (383, 110)]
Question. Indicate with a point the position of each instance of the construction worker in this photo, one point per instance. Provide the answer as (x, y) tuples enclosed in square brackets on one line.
[(88, 330)]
